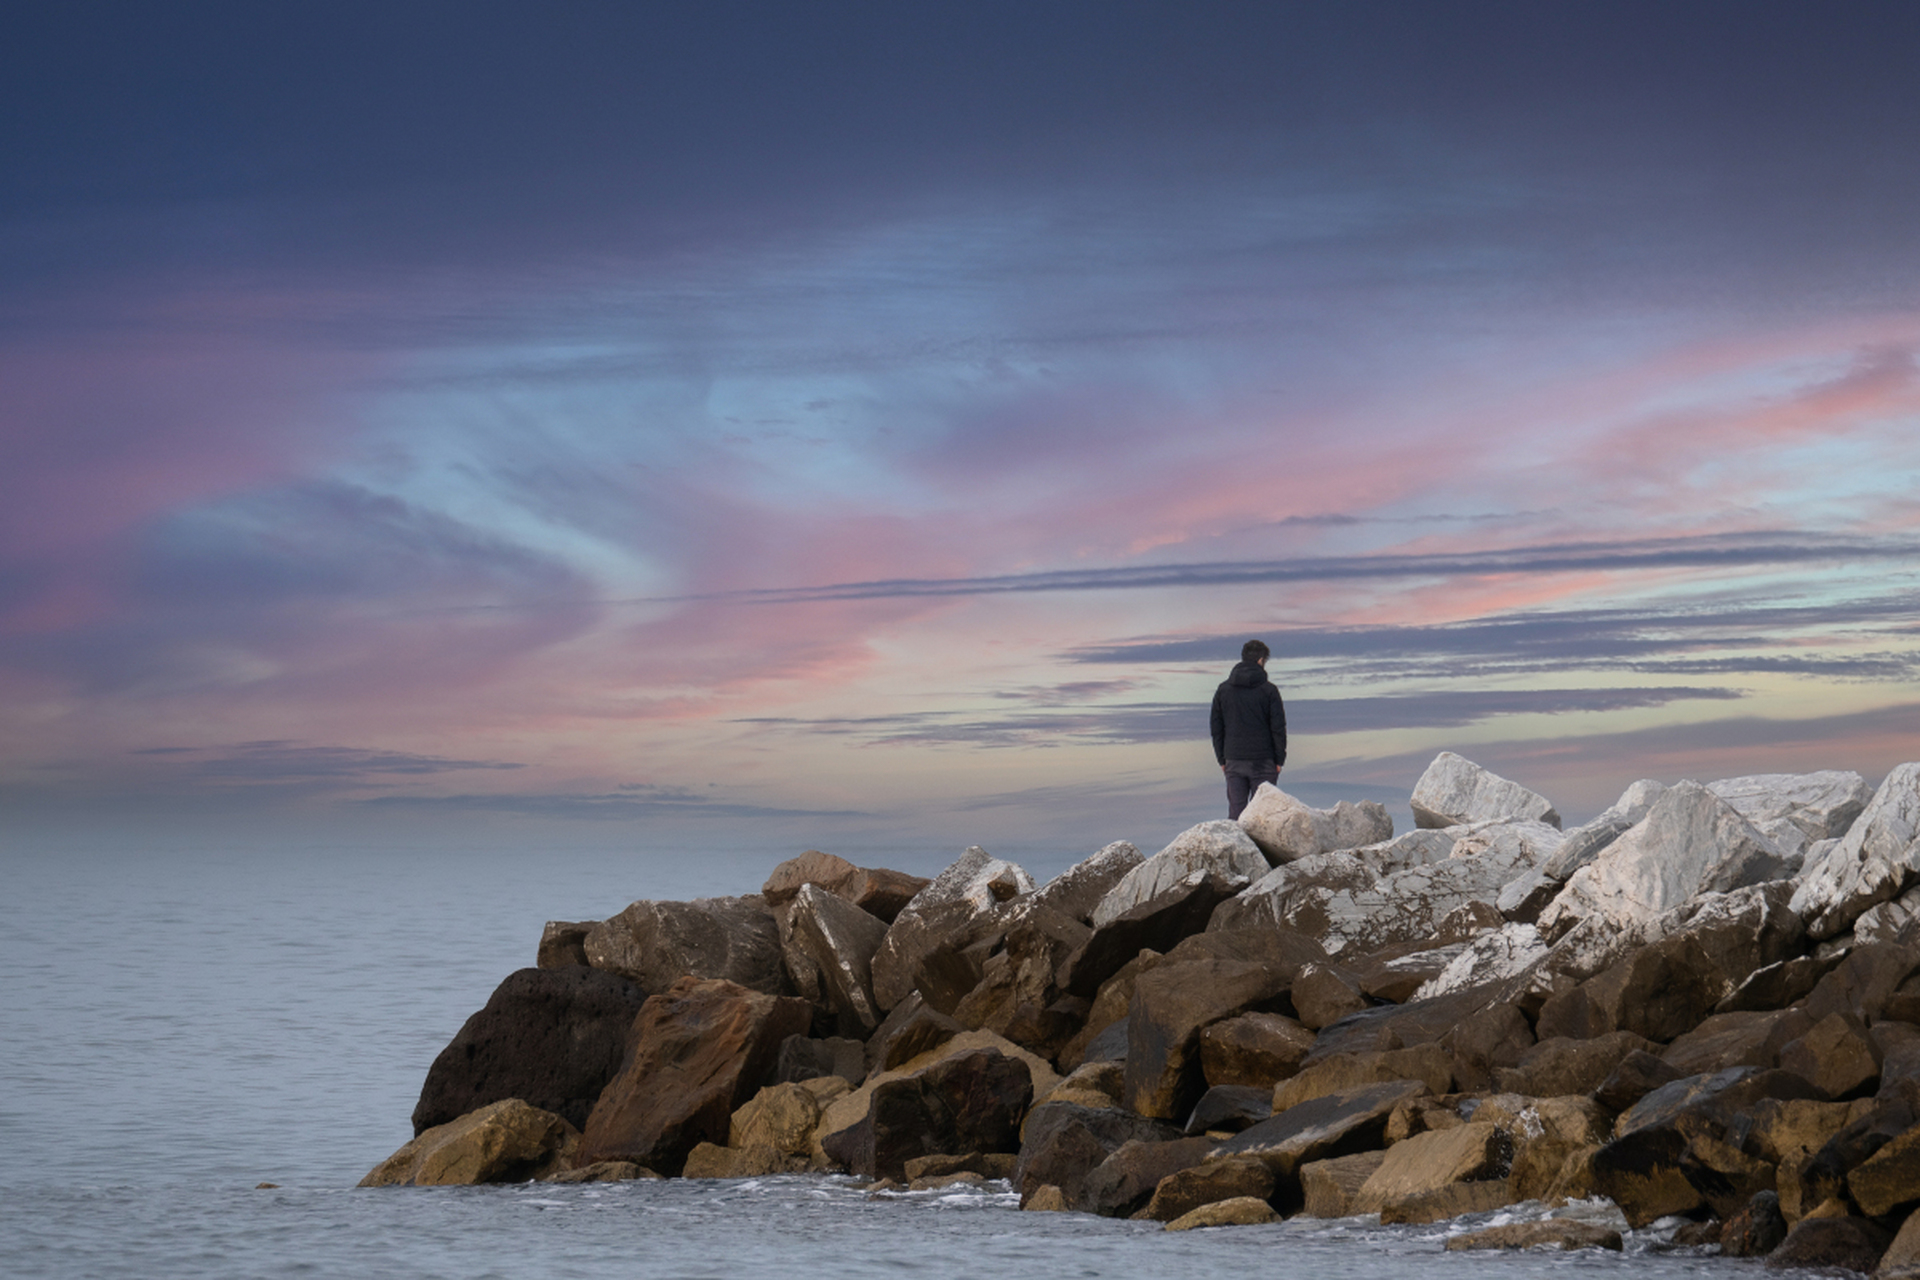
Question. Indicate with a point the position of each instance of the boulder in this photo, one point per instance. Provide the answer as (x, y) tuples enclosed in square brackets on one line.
[(1634, 1077), (1453, 1200), (775, 1129), (1890, 921), (1756, 1230), (956, 909), (549, 1037), (1796, 810), (1286, 829), (1454, 790), (654, 944), (1427, 1063), (1428, 1162), (910, 1029), (1778, 1130), (1565, 1234), (1491, 957), (1865, 982), (605, 1171), (1061, 1143), (1559, 1066), (804, 1058), (1241, 1211), (1328, 1187), (813, 867), (1691, 842), (1323, 994), (1889, 1179), (1584, 843), (852, 1108), (1218, 848), (989, 1165), (1107, 1016), (1229, 1108), (1045, 1199), (1017, 996), (1175, 913), (1659, 991), (1748, 1039), (1836, 1055), (505, 1141), (1335, 1124), (1777, 985), (1076, 891), (1127, 1178), (1395, 974), (563, 944), (1876, 861), (700, 1050), (1268, 899), (1845, 1243), (1822, 1175), (1172, 1003), (1901, 1261), (1184, 1190), (1255, 1049), (837, 940), (711, 1160), (970, 1101), (1485, 1043)]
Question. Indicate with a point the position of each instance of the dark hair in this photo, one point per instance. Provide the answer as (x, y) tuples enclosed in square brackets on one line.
[(1254, 650)]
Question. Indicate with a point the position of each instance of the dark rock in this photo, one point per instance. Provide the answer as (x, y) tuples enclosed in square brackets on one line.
[(1076, 891), (1158, 923), (1336, 1124), (1850, 1244), (909, 1030), (550, 1037), (1229, 1108), (1901, 1261), (1427, 1063), (563, 944), (1492, 1040), (1837, 1055), (1659, 991), (1125, 1180), (882, 892), (605, 1171), (1400, 1026), (927, 945), (1633, 1078), (1256, 1049), (1209, 1182), (1325, 993), (1777, 985), (805, 1059), (1393, 974), (1889, 1179), (1824, 1175), (1109, 1007), (1109, 1046), (1756, 1230), (700, 1050), (1062, 1142), (1863, 982), (1742, 1039), (654, 944), (1171, 1005), (1726, 1177), (1017, 996), (969, 1102), (1558, 1066), (837, 941)]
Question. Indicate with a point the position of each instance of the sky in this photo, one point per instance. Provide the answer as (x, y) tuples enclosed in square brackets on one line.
[(876, 427)]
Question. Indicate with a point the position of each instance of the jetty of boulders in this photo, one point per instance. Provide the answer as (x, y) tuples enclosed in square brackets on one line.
[(1704, 1005)]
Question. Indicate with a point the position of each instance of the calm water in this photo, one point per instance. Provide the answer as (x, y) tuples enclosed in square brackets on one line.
[(179, 1027)]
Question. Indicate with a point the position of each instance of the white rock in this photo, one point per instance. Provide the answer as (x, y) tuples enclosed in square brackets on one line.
[(1488, 958), (1287, 829), (1346, 868), (1218, 846), (1796, 809), (1455, 790), (1584, 843), (1887, 921), (1078, 890), (1597, 942), (1874, 862), (1691, 842), (977, 876)]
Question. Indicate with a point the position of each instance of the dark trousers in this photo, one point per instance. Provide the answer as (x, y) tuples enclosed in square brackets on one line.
[(1244, 778)]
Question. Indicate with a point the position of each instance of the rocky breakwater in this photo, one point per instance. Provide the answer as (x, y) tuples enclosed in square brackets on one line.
[(1703, 1003)]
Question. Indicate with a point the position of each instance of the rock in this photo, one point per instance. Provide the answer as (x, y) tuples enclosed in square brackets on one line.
[(966, 1179), (910, 1029), (1428, 1162), (1865, 982), (838, 940), (1325, 993), (654, 944), (505, 1141), (1454, 790), (1426, 1063), (1256, 1049), (700, 1049), (1806, 1182), (803, 1058), (1558, 1066), (1335, 1124), (1108, 1011), (1242, 1211), (1394, 974), (955, 909), (1691, 842), (1874, 862), (983, 1165), (1775, 986), (1566, 1234), (1017, 995), (853, 1108), (813, 867), (1836, 1055), (1726, 1177), (1424, 1114), (1157, 924), (1104, 1078), (1329, 1186), (1172, 1003), (966, 1102), (1891, 921), (1485, 1043), (1794, 810), (1184, 1190), (1778, 1130), (1217, 848), (563, 944), (1751, 1039), (549, 1037), (1287, 830), (1889, 1179), (1061, 1143), (1046, 1200), (1583, 844), (1756, 1230), (775, 1128), (1660, 992), (1076, 891), (1126, 1179), (1229, 1109), (605, 1171), (1633, 1078), (1851, 1244), (1270, 897), (1901, 1261), (1488, 958), (1454, 1200), (711, 1160)]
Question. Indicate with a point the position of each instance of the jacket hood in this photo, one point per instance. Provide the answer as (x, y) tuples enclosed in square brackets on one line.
[(1247, 674)]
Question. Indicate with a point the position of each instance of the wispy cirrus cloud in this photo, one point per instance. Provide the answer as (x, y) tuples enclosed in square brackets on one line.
[(627, 804)]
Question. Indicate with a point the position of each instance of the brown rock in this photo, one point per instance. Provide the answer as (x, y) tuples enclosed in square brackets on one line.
[(1450, 1201), (1325, 993), (1187, 1189), (777, 1126), (1175, 913), (1901, 1261), (1637, 1075), (967, 1102), (1126, 1179), (1659, 991), (1076, 891), (1329, 1186), (1017, 996), (505, 1141), (1229, 1108), (882, 892), (967, 1178), (1426, 1063), (1243, 1211), (804, 1058), (1756, 1230), (1823, 1175), (1048, 1199), (911, 1028), (605, 1171), (1559, 1066), (1863, 982), (1575, 1181), (1402, 1026), (711, 1160), (1837, 1055), (654, 944), (1062, 1143), (1430, 1161), (1853, 1244), (701, 1049), (811, 868), (563, 944), (1564, 1234), (931, 944), (1105, 1078), (1777, 985), (837, 941), (1889, 1179), (1776, 1129), (1735, 1040), (1422, 1115), (1336, 1124), (1108, 1011), (1726, 1177), (1395, 973), (1172, 1003), (1487, 1042), (1255, 1049)]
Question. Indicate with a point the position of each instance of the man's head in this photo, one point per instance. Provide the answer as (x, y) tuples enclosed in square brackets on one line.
[(1254, 651)]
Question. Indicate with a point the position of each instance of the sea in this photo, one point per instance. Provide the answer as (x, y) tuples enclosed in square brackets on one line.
[(178, 1027)]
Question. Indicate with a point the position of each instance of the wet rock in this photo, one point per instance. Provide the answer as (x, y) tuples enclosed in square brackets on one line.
[(1335, 1124), (1454, 790), (775, 1129), (1255, 1049), (1286, 829), (1660, 992), (837, 940), (1172, 1003), (1400, 1026), (1584, 843), (1431, 1161), (1874, 862), (1108, 1013), (1426, 1063), (1046, 1199), (1156, 924), (984, 1165), (1218, 848), (1076, 891), (654, 944), (549, 1037), (1562, 1065), (1184, 1190), (1850, 1244), (1328, 1187), (1062, 1143), (1229, 1109), (967, 1102), (1889, 1179), (804, 1058), (853, 1108), (1451, 1201), (1565, 1234), (1325, 993), (563, 944), (505, 1141), (1726, 1177), (711, 1160), (700, 1049), (1488, 958), (1806, 1182), (1424, 1114), (1243, 1211), (1836, 1055), (1756, 1230), (925, 947), (910, 1029), (605, 1171), (1777, 1130), (1795, 810), (1104, 1078), (1126, 1179)]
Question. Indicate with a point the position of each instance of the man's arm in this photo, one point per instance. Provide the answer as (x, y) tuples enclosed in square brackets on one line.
[(1219, 731), (1278, 725)]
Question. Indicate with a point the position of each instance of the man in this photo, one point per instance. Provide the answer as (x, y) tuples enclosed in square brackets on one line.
[(1249, 727)]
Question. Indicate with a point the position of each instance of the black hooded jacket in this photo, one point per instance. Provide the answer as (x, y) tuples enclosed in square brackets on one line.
[(1249, 721)]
